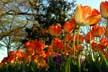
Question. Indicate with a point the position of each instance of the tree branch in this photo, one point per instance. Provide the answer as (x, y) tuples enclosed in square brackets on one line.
[(21, 13), (4, 34)]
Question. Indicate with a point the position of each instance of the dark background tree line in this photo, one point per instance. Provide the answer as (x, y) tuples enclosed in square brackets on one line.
[(21, 20)]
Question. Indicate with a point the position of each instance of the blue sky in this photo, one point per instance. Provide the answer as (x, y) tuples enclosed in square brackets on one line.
[(92, 3)]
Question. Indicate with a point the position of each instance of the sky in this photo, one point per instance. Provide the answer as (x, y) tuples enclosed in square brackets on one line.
[(92, 3)]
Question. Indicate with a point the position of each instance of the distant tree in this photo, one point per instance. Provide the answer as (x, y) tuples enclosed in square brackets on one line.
[(49, 12), (31, 16), (54, 11)]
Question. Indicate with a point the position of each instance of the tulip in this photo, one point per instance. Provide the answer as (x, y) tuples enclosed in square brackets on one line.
[(106, 32), (84, 15), (12, 53), (55, 30), (94, 46), (20, 55), (77, 48), (69, 26), (27, 58), (77, 38), (89, 37), (104, 9), (58, 44), (98, 30), (11, 59), (4, 59), (103, 42), (50, 50), (67, 38)]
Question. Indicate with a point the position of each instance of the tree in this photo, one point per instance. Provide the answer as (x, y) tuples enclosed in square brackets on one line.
[(17, 15), (49, 12)]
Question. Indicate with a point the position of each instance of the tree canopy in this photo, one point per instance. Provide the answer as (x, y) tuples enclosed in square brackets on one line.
[(16, 16)]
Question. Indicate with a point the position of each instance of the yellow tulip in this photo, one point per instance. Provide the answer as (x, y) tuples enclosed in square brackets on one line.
[(84, 15)]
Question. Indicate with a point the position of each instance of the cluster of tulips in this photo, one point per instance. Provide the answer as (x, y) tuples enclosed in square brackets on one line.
[(69, 44)]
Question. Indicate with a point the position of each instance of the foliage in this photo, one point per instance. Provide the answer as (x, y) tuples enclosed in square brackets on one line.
[(16, 15)]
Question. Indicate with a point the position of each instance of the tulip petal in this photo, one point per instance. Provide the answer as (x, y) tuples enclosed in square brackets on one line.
[(78, 14), (104, 9), (84, 15)]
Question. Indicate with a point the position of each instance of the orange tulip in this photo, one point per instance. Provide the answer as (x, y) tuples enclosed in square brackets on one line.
[(84, 15), (55, 30), (36, 44), (77, 38), (98, 30), (104, 9), (20, 55), (50, 50), (106, 32), (29, 51), (11, 59), (69, 26), (89, 37), (43, 54), (27, 58)]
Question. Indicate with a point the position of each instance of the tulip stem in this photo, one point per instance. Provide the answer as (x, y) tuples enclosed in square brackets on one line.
[(78, 35), (79, 65)]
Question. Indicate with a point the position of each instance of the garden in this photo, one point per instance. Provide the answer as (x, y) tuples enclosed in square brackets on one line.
[(79, 44)]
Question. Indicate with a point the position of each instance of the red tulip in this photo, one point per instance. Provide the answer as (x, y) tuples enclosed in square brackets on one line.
[(4, 60), (84, 15), (67, 38), (94, 46), (39, 45), (104, 42), (12, 53), (97, 47), (58, 44), (104, 9)]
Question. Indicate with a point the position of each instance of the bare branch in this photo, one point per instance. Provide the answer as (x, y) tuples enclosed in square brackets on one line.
[(8, 33), (21, 13)]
